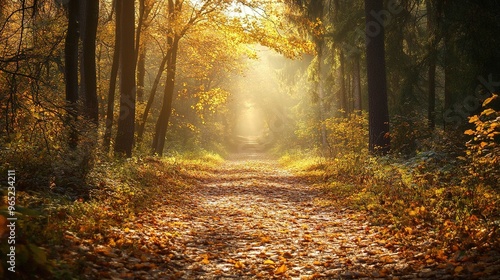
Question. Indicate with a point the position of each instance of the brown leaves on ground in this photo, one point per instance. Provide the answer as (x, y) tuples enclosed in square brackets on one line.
[(250, 219)]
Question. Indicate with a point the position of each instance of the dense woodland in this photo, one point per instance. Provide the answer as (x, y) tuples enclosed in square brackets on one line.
[(388, 108)]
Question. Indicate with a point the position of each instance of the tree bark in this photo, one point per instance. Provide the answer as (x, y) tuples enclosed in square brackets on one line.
[(321, 96), (152, 95), (71, 69), (343, 110), (166, 110), (91, 15), (379, 140), (431, 74), (112, 80), (125, 132), (141, 73), (357, 84)]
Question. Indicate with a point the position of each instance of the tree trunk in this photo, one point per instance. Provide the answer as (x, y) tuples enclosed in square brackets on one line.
[(343, 92), (91, 15), (379, 142), (141, 73), (357, 84), (125, 132), (166, 110), (431, 110), (71, 69), (321, 96), (152, 94), (112, 80)]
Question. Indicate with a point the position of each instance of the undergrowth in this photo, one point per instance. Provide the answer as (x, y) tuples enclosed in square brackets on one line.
[(455, 198), (114, 191)]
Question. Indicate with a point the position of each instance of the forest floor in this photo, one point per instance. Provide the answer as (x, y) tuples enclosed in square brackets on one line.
[(249, 218)]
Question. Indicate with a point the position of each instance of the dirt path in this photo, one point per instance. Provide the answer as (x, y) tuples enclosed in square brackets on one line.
[(250, 219)]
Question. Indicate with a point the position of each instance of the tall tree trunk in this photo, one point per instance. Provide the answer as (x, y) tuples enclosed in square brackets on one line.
[(152, 95), (71, 69), (357, 83), (125, 132), (166, 110), (112, 80), (343, 91), (448, 69), (321, 96), (141, 73), (91, 15), (431, 74), (379, 142)]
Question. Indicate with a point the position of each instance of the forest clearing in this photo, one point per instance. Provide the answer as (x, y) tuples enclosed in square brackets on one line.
[(249, 139)]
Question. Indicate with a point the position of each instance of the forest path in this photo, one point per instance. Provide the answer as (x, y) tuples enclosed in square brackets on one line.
[(251, 219)]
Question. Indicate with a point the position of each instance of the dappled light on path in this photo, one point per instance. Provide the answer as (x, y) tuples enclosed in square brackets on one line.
[(251, 219)]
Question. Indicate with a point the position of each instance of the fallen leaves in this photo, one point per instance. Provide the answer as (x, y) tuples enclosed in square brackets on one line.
[(281, 270), (252, 219)]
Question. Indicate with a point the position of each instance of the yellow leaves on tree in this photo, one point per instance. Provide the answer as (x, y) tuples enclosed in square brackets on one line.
[(484, 148)]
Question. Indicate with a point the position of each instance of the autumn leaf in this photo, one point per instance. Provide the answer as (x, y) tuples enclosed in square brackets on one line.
[(269, 262), (408, 230), (280, 270), (469, 132), (205, 259), (487, 112), (488, 100), (239, 265)]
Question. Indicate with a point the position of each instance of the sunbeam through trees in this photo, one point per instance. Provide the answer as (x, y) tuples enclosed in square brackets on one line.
[(249, 139)]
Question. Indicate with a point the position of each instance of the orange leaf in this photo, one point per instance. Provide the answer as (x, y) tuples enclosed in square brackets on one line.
[(205, 259), (408, 230), (469, 132), (282, 269), (239, 265)]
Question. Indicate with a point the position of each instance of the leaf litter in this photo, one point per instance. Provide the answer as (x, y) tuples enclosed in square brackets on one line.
[(251, 219)]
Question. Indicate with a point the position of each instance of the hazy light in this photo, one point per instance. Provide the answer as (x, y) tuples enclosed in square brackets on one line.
[(250, 122)]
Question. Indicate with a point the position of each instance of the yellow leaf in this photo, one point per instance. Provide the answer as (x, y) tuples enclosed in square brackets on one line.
[(205, 259), (469, 132), (280, 270), (408, 230), (239, 265), (269, 262), (317, 263), (483, 144), (265, 239), (488, 100), (459, 269), (473, 119), (488, 112)]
